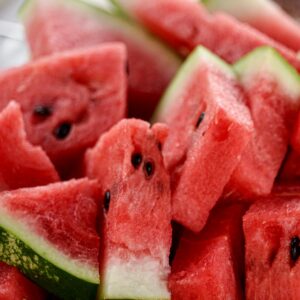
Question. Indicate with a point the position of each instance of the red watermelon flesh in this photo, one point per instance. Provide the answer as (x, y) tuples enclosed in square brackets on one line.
[(184, 24), (209, 129), (54, 26), (14, 286), (290, 170), (295, 141), (69, 99), (286, 189), (128, 163), (21, 164), (272, 230), (209, 265)]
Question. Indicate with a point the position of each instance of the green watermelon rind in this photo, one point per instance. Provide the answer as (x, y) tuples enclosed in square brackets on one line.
[(194, 61), (266, 60)]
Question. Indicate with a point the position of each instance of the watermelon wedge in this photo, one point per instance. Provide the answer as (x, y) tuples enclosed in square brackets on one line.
[(49, 233), (210, 265), (210, 127), (69, 99), (272, 90), (54, 26), (136, 232), (264, 15), (21, 164), (184, 24), (14, 286), (272, 248)]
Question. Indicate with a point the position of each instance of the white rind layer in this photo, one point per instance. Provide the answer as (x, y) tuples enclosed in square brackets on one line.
[(135, 278)]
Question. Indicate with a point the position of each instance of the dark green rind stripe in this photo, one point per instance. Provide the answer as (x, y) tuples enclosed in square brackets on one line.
[(15, 252)]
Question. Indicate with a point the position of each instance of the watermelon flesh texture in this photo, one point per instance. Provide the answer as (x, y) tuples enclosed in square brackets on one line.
[(209, 265), (21, 165), (263, 15), (272, 230), (184, 24), (50, 234), (69, 99), (209, 129), (62, 25), (137, 226), (14, 286)]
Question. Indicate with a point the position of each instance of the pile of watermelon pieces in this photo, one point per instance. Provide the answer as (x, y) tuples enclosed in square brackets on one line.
[(151, 150)]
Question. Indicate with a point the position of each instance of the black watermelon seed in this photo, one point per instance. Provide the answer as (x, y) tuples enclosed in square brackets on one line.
[(295, 248), (42, 111), (62, 131), (200, 119), (136, 160), (106, 201), (148, 169)]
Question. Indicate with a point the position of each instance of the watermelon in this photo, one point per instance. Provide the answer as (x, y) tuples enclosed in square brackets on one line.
[(272, 232), (184, 24), (264, 15), (54, 26), (210, 127), (14, 286), (209, 265), (69, 99), (49, 233), (21, 164), (272, 89), (290, 169), (136, 230)]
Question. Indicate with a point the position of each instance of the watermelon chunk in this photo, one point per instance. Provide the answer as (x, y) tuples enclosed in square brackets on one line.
[(49, 233), (272, 89), (14, 286), (21, 164), (209, 265), (54, 26), (184, 24), (272, 248), (264, 15), (210, 127), (68, 100), (137, 226)]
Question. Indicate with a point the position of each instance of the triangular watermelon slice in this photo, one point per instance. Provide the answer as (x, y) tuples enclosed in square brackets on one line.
[(57, 25), (128, 163), (210, 127), (49, 233), (69, 99)]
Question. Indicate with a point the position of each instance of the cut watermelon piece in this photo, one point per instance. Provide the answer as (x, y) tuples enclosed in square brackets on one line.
[(137, 225), (49, 233), (272, 90), (295, 141), (209, 129), (68, 100), (54, 26), (264, 15), (272, 231), (210, 265), (21, 164), (290, 170), (14, 286), (184, 24)]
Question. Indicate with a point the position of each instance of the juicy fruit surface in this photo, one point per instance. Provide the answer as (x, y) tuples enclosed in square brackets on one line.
[(137, 232), (50, 29), (32, 166), (201, 157), (68, 100)]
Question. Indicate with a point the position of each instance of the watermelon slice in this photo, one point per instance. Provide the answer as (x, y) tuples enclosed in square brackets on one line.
[(14, 286), (272, 248), (54, 26), (272, 89), (209, 129), (264, 15), (49, 233), (184, 24), (68, 100), (210, 265), (137, 225), (21, 164)]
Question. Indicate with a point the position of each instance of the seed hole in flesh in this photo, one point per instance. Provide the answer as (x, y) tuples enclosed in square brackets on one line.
[(106, 201), (295, 248), (148, 169), (136, 160), (42, 111), (127, 68), (62, 130), (159, 146), (200, 119)]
